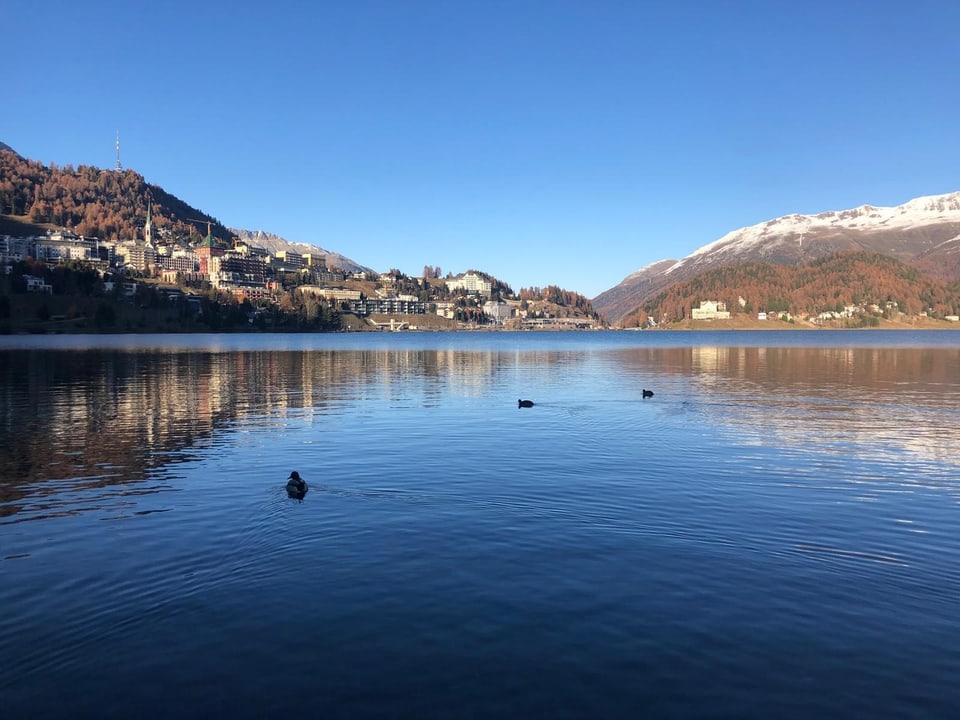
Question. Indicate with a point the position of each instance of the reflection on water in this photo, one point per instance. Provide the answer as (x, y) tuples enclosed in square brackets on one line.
[(894, 399), (76, 421), (733, 546), (817, 370)]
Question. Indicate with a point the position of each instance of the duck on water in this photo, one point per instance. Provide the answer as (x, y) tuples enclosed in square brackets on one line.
[(296, 486), (524, 403)]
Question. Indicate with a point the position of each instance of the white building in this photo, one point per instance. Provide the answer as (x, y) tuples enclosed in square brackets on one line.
[(180, 261), (37, 285), (337, 294), (710, 310), (446, 310), (472, 283), (139, 255), (290, 259), (499, 311)]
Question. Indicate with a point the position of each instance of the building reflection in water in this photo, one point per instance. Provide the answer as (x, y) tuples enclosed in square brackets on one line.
[(100, 418), (827, 396)]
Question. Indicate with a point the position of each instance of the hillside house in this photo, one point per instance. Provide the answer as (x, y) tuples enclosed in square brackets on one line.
[(446, 310), (710, 310), (38, 285)]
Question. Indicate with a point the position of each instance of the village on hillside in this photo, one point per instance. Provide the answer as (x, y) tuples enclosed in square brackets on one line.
[(257, 278)]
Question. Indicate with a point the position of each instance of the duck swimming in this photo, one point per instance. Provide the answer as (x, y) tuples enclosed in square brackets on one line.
[(524, 403), (296, 486), (647, 393)]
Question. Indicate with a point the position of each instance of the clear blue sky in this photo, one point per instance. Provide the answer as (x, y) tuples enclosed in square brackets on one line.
[(548, 142)]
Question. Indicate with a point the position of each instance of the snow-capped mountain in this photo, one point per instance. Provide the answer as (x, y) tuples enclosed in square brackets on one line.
[(880, 229), (924, 232), (275, 243)]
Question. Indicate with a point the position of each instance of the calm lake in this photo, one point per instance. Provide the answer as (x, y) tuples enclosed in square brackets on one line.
[(774, 534)]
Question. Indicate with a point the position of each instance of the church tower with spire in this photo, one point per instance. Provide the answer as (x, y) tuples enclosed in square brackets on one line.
[(148, 227)]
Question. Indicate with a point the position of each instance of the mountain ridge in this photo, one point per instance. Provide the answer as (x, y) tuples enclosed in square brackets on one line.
[(275, 243), (924, 232), (853, 284)]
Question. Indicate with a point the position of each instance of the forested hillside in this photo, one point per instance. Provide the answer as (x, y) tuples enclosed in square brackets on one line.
[(89, 201), (829, 283), (567, 302)]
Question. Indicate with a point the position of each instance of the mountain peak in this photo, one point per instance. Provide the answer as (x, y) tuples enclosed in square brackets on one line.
[(795, 228), (274, 243), (659, 264), (924, 231)]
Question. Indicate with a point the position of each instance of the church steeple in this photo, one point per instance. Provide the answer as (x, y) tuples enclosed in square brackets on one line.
[(148, 227)]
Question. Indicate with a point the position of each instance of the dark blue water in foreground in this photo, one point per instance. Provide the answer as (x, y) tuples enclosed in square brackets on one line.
[(776, 533)]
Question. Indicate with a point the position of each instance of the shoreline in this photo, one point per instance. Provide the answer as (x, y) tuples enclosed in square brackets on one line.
[(913, 323)]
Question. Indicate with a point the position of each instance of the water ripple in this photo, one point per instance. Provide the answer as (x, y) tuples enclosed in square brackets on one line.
[(769, 519)]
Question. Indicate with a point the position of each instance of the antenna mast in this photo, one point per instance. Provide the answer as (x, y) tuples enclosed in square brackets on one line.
[(119, 167)]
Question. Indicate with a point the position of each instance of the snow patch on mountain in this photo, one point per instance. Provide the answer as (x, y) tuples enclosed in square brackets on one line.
[(647, 268), (274, 243), (954, 241), (919, 212)]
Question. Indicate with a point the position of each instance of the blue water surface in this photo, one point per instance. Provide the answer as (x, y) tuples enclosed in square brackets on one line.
[(775, 533)]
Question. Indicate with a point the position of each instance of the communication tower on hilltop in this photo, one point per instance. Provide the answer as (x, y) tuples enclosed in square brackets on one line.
[(119, 167)]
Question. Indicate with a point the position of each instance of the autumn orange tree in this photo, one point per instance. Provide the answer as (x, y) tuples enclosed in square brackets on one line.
[(93, 202)]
